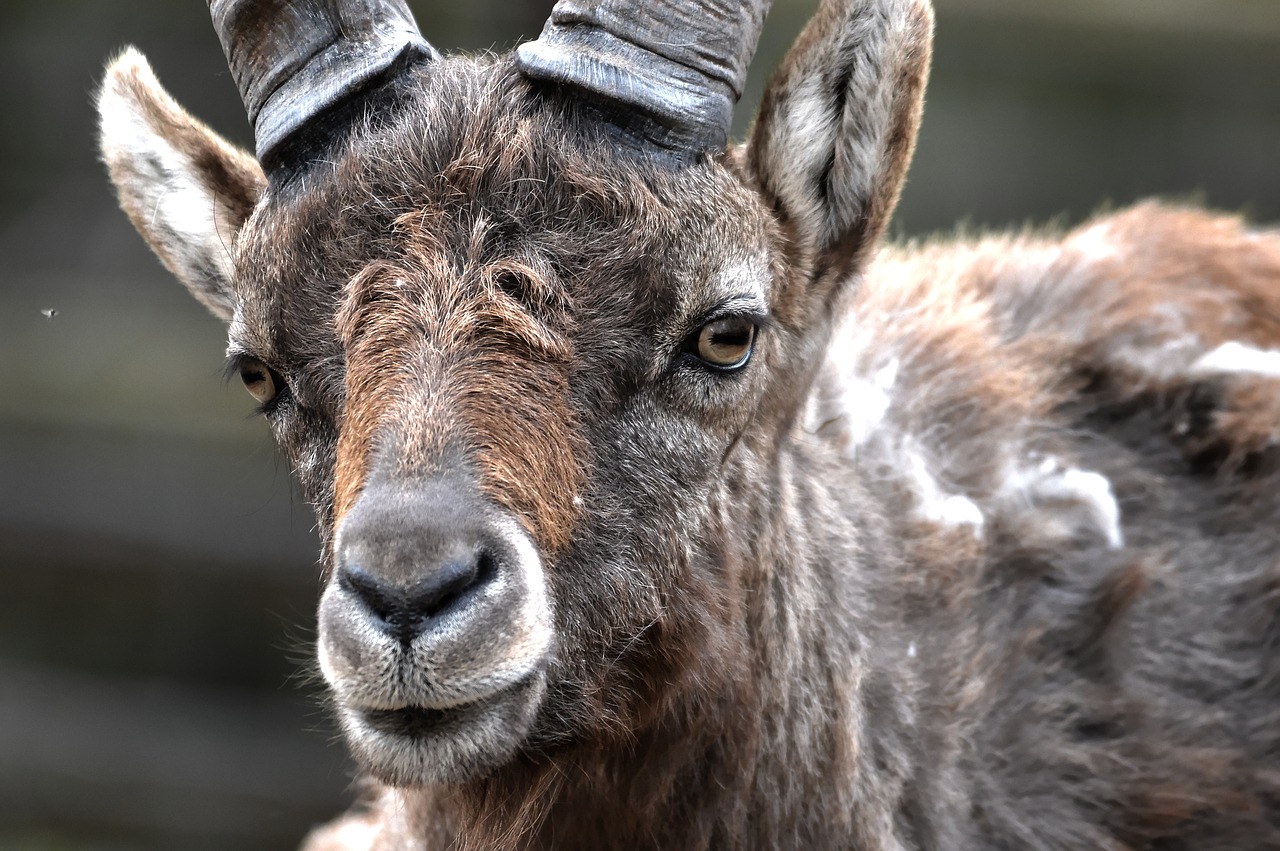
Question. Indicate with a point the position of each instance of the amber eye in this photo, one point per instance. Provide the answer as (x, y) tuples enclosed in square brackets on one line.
[(259, 379), (727, 342)]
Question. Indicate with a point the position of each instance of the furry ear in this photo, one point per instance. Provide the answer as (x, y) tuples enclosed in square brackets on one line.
[(837, 127), (186, 190)]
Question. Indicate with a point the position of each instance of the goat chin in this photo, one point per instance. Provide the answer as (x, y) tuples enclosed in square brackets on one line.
[(413, 746)]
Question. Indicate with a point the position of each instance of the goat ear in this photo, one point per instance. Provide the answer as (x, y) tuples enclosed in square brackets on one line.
[(837, 127), (186, 190)]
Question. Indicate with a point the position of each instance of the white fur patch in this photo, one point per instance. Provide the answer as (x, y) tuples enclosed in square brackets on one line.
[(936, 505), (1048, 490), (867, 401), (157, 155), (1095, 243), (863, 402), (162, 177), (352, 833), (1239, 358), (852, 395)]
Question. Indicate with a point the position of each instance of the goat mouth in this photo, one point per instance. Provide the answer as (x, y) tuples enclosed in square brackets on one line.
[(417, 721), (416, 745)]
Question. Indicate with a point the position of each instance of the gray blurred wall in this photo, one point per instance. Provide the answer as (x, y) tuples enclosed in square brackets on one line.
[(157, 570)]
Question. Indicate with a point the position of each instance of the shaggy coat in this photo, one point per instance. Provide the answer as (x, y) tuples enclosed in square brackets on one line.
[(976, 549)]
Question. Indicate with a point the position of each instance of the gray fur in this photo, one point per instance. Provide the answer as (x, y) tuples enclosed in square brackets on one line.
[(977, 551)]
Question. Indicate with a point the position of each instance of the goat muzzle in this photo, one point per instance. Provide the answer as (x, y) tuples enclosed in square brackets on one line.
[(434, 630)]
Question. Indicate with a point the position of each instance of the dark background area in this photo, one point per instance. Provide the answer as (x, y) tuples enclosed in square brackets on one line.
[(157, 570)]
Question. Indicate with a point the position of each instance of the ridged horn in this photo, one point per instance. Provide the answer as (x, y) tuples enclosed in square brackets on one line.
[(668, 71), (293, 60)]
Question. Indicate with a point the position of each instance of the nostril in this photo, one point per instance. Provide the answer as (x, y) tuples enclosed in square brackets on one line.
[(356, 580), (407, 612), (435, 595)]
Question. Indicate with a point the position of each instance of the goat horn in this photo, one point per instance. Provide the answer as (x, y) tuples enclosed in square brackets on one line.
[(293, 60), (667, 71)]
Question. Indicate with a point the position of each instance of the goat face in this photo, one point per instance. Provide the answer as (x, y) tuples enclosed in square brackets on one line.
[(531, 378), (534, 381)]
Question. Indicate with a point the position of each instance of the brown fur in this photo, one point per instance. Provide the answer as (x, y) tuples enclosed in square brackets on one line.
[(426, 359), (977, 551)]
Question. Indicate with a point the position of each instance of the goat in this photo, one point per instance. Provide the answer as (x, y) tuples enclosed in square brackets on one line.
[(663, 506)]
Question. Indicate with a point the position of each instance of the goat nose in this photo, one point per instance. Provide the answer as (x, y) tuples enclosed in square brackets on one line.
[(405, 612)]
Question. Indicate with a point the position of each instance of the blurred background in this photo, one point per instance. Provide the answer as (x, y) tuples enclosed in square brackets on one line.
[(157, 569)]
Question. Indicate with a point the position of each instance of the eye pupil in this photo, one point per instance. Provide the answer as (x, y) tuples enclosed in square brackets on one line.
[(259, 381), (727, 342)]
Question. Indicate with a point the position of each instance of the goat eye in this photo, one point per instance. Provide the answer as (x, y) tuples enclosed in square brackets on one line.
[(726, 343), (259, 379)]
